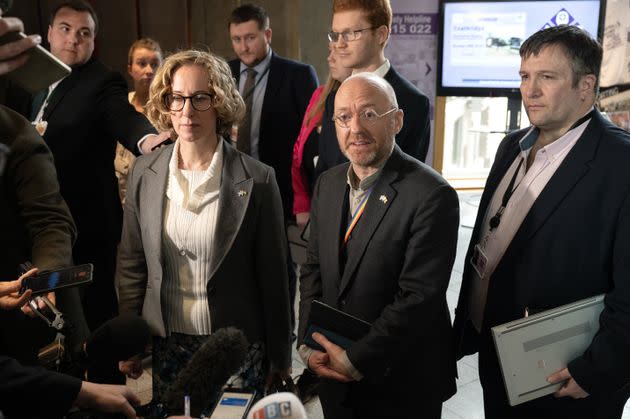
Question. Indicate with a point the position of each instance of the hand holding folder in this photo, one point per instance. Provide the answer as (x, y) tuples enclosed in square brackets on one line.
[(340, 328)]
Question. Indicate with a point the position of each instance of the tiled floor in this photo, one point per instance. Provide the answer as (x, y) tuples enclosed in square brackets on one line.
[(467, 403)]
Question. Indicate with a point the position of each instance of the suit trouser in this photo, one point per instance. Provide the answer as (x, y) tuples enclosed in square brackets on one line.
[(348, 401)]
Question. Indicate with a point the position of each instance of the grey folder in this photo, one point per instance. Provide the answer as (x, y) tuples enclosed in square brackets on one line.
[(532, 348)]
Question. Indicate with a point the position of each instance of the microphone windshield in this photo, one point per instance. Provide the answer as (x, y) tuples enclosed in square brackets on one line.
[(220, 356), (278, 405), (119, 338)]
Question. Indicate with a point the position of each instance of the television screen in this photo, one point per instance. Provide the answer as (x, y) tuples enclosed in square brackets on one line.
[(479, 41)]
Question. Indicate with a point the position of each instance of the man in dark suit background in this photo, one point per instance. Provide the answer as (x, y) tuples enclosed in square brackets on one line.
[(360, 30), (276, 92), (561, 235), (80, 118), (276, 96), (391, 269)]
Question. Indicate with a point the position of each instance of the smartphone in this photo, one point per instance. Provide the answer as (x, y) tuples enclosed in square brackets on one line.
[(40, 71), (45, 282), (233, 404)]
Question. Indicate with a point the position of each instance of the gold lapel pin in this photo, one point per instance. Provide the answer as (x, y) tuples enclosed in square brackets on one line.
[(383, 199), (242, 192)]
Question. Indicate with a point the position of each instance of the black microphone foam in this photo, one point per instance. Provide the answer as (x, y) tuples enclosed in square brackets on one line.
[(116, 340), (120, 338), (220, 356)]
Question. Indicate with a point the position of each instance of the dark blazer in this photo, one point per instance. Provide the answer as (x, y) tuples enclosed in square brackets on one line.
[(574, 243), (413, 138), (290, 85), (248, 286), (35, 392), (36, 226), (396, 275), (87, 113)]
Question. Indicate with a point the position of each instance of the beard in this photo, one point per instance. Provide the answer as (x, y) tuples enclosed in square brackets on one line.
[(370, 156)]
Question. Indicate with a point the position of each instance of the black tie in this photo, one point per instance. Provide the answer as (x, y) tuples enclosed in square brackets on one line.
[(37, 103), (244, 141)]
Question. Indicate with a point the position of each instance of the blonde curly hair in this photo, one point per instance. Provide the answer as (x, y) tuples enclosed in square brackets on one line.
[(226, 100)]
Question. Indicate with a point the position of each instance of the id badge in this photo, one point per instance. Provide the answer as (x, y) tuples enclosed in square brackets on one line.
[(479, 261)]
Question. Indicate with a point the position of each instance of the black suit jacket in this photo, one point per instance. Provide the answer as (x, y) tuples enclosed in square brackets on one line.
[(395, 277), (36, 226), (86, 114), (290, 85), (413, 138), (34, 392), (574, 243)]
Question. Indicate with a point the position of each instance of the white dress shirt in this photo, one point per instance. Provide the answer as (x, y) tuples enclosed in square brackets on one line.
[(381, 71), (528, 185)]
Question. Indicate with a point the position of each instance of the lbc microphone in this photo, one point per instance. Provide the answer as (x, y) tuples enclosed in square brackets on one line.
[(220, 356), (278, 406), (116, 340)]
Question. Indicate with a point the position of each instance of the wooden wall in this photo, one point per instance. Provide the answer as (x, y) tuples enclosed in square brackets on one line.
[(299, 26)]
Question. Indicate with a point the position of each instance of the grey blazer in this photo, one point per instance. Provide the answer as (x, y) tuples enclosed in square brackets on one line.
[(248, 284)]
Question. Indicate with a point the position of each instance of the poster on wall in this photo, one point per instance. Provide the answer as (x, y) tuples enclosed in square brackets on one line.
[(616, 42), (412, 47), (615, 71)]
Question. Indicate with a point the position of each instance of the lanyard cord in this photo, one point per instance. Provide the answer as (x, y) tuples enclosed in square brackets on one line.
[(496, 219), (356, 216)]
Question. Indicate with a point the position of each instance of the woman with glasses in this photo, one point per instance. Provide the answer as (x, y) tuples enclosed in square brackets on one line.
[(203, 243)]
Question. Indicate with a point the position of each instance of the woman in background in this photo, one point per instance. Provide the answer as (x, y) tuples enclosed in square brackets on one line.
[(305, 147), (203, 244), (144, 58)]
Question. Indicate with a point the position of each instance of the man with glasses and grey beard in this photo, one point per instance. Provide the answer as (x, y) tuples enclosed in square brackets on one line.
[(360, 30), (383, 241)]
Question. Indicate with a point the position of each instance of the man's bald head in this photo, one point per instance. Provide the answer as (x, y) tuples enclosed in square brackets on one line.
[(374, 81), (367, 120)]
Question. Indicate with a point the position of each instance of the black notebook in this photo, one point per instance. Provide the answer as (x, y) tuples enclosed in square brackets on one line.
[(340, 328)]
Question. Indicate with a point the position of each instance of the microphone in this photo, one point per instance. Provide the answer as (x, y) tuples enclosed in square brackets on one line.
[(220, 356), (116, 340), (278, 405)]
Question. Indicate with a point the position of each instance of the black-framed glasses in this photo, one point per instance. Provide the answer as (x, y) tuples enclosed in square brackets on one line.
[(199, 101), (369, 116), (347, 36)]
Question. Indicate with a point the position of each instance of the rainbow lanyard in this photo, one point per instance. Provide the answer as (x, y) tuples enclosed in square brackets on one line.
[(357, 215)]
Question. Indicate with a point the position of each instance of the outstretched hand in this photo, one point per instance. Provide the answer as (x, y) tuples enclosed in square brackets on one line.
[(10, 297), (107, 398)]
